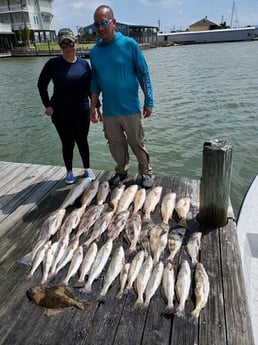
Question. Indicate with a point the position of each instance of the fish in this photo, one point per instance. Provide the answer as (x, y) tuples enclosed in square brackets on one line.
[(175, 240), (123, 280), (151, 201), (47, 230), (134, 269), (99, 228), (182, 208), (167, 207), (103, 192), (182, 286), (62, 246), (142, 279), (53, 299), (133, 231), (86, 264), (153, 283), (145, 237), (158, 240), (117, 224), (202, 289), (127, 198), (89, 218), (114, 268), (138, 200), (47, 263), (168, 285), (76, 192), (68, 254), (39, 258), (74, 265), (193, 246), (115, 196), (71, 221), (90, 193), (98, 265)]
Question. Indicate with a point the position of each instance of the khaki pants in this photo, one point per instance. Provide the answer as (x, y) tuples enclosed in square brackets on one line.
[(124, 130)]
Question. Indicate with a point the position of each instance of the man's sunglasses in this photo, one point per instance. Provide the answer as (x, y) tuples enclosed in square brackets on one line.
[(102, 23), (67, 45)]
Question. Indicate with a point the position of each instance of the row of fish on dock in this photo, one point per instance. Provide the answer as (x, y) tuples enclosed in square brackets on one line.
[(142, 265)]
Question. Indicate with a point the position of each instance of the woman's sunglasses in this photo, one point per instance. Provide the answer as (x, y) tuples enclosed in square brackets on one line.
[(67, 45)]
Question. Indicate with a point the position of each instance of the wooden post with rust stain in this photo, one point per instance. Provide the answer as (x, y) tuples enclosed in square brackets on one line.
[(215, 183)]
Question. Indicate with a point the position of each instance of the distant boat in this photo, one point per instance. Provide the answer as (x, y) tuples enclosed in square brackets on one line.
[(209, 36)]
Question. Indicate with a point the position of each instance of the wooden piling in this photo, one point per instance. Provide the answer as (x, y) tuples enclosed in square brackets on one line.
[(215, 183)]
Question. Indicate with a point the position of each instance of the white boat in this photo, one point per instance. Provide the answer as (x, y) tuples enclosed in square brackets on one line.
[(247, 232), (209, 36)]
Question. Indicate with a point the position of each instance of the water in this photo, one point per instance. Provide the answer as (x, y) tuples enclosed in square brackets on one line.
[(202, 92)]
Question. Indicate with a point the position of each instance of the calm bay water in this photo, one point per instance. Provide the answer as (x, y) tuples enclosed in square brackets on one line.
[(202, 92)]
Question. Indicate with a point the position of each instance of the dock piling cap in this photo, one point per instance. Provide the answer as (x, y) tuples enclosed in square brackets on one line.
[(217, 144)]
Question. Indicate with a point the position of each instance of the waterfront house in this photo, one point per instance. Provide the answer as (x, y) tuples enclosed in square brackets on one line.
[(141, 33), (36, 16)]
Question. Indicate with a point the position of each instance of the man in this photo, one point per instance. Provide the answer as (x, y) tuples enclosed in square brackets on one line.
[(119, 68)]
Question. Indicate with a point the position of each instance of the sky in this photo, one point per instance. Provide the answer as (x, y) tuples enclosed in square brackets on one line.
[(170, 14)]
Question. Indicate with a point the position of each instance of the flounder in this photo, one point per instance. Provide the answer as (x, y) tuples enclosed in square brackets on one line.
[(55, 298)]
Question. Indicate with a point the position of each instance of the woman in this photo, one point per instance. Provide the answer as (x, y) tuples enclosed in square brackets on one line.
[(69, 105)]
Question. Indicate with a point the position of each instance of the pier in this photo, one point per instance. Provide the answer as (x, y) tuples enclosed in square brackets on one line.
[(30, 192)]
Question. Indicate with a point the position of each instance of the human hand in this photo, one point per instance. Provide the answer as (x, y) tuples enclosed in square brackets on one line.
[(49, 111), (99, 112), (147, 111), (95, 117)]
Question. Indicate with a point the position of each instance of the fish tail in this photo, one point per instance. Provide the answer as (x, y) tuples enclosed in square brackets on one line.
[(79, 284), (26, 260), (119, 295), (182, 222), (180, 313), (86, 290), (101, 298), (195, 314), (138, 304), (130, 253), (168, 311)]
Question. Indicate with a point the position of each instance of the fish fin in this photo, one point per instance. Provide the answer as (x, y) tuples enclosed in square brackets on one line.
[(85, 304), (26, 260), (49, 311)]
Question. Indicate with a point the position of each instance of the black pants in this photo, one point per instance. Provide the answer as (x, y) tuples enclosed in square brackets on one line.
[(73, 131)]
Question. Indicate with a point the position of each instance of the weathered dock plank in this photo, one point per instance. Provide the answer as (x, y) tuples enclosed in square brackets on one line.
[(40, 191)]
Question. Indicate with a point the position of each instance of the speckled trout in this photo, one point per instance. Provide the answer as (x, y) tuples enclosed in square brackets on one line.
[(202, 289)]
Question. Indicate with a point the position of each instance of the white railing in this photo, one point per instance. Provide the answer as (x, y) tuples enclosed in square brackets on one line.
[(13, 8)]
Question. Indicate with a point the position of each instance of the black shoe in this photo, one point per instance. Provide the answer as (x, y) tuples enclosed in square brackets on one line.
[(117, 178), (147, 181)]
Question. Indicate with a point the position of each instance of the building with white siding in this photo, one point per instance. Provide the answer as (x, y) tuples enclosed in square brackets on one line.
[(36, 15)]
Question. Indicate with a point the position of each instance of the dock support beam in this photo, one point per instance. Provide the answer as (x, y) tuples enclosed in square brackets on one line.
[(215, 183)]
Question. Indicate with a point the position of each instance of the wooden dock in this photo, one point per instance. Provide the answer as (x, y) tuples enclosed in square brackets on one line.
[(29, 193)]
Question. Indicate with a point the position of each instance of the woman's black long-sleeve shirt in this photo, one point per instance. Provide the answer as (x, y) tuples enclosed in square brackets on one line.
[(71, 87)]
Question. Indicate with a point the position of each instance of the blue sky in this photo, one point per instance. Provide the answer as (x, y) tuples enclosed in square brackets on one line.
[(172, 14)]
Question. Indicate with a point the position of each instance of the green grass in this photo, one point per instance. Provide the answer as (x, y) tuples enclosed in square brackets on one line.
[(55, 46)]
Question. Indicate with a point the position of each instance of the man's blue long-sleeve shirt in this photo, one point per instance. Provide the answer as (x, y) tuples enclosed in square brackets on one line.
[(118, 68)]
